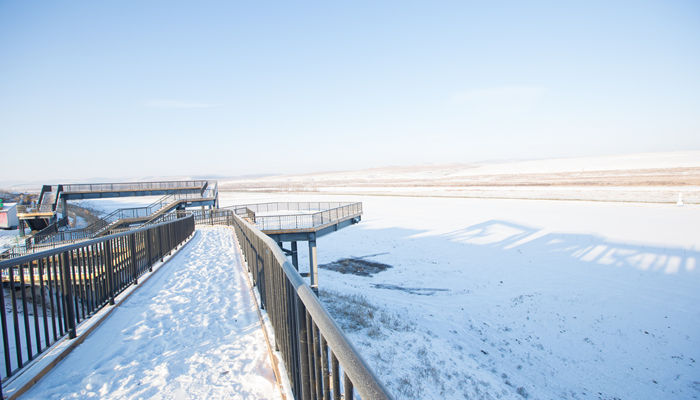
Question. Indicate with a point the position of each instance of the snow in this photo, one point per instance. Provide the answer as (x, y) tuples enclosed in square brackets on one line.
[(519, 298), (641, 161), (8, 238), (190, 331), (648, 177)]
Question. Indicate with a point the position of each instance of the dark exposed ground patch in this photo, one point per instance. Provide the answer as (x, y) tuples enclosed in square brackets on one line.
[(356, 266), (411, 290)]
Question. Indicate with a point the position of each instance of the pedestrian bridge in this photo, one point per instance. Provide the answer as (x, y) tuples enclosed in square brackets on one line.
[(43, 213), (174, 331)]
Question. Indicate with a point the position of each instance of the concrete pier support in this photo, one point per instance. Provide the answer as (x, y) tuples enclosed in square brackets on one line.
[(295, 256), (313, 265)]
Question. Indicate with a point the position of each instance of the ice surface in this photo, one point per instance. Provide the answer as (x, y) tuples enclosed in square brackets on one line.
[(516, 298)]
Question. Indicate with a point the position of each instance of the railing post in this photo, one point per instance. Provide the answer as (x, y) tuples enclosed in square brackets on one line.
[(303, 350), (132, 253), (109, 270), (148, 249), (160, 242), (170, 239), (69, 307)]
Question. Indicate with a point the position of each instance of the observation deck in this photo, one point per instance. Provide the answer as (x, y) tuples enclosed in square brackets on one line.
[(300, 221)]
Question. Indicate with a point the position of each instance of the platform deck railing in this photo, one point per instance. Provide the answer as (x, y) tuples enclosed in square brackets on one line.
[(309, 215)]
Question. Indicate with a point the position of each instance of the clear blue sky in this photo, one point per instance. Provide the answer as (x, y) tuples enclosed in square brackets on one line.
[(134, 88)]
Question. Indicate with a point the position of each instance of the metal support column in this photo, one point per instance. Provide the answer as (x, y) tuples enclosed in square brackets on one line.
[(295, 256), (313, 265), (64, 203)]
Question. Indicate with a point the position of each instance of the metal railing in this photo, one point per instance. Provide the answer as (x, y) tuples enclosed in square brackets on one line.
[(315, 351), (52, 238), (133, 186), (318, 214), (51, 292), (103, 224), (47, 232), (55, 238)]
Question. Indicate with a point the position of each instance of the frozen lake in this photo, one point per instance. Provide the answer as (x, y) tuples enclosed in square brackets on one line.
[(518, 299)]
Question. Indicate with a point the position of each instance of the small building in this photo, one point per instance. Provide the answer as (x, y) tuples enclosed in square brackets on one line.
[(8, 216)]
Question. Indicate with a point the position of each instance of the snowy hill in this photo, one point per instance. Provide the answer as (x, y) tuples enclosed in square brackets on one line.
[(648, 177)]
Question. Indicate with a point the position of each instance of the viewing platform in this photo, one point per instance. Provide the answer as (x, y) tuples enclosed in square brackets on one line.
[(300, 221)]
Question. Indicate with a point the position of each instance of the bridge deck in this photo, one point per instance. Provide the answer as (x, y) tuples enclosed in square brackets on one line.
[(181, 334)]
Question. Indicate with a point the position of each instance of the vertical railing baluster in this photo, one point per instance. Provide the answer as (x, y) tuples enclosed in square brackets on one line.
[(347, 387), (317, 361), (160, 242), (324, 367), (335, 377), (15, 321), (58, 292), (69, 312), (109, 271), (5, 335), (47, 340), (310, 351), (37, 330), (25, 313), (132, 254), (148, 249), (91, 273), (303, 350), (75, 285), (80, 258)]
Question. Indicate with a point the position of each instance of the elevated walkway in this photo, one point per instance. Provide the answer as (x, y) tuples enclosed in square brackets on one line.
[(181, 333), (43, 213), (108, 190), (171, 334), (42, 216)]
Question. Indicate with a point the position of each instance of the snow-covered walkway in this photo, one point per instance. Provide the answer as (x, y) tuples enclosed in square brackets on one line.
[(190, 332)]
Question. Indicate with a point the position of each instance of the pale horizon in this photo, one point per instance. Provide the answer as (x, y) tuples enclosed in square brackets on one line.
[(633, 161)]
